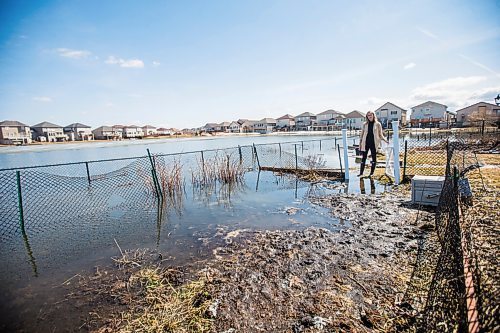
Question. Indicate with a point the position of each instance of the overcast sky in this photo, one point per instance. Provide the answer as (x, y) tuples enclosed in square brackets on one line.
[(186, 63)]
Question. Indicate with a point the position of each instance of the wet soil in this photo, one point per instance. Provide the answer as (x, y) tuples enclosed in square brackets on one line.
[(311, 280)]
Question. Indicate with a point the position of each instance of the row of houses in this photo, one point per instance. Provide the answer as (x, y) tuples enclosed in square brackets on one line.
[(432, 114), (15, 132), (428, 114), (307, 121)]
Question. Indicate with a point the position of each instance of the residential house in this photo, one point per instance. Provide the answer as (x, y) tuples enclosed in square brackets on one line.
[(389, 112), (119, 129), (476, 113), (327, 120), (429, 114), (286, 122), (149, 130), (14, 132), (107, 133), (265, 126), (164, 131), (78, 132), (338, 122), (210, 127), (133, 132), (305, 120), (248, 126), (49, 132), (354, 120), (235, 127), (224, 126)]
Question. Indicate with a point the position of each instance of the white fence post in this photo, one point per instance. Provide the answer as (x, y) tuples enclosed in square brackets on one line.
[(395, 151), (346, 157)]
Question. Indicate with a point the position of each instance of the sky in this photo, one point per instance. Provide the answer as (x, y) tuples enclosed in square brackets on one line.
[(185, 63)]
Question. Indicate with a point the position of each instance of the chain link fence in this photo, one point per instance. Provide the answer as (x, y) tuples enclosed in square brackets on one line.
[(34, 199), (454, 286)]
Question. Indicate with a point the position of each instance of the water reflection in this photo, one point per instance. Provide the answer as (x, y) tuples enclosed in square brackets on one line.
[(362, 188)]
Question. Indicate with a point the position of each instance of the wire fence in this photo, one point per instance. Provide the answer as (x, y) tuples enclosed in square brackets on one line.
[(33, 199), (454, 286)]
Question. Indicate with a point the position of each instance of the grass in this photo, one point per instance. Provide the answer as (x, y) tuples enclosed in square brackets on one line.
[(219, 168)]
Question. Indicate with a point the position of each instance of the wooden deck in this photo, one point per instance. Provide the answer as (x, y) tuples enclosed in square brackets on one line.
[(329, 173)]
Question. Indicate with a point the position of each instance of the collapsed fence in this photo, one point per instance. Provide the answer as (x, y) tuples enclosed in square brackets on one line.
[(37, 198)]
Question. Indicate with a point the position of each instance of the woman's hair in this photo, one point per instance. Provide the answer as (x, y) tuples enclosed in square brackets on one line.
[(374, 117)]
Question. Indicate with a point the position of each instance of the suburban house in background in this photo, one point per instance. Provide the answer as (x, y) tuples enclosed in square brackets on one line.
[(354, 120), (107, 133), (14, 132), (478, 112), (304, 121), (149, 130), (164, 131), (248, 126), (327, 120), (49, 132), (265, 126), (430, 114), (132, 131), (389, 112), (235, 127), (78, 132), (286, 122)]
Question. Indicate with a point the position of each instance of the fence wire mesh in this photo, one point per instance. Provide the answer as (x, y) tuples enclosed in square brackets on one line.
[(454, 286), (52, 197)]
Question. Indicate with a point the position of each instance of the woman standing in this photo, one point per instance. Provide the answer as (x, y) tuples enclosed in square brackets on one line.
[(371, 135)]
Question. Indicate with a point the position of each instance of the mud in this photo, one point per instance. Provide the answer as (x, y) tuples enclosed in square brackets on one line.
[(311, 280)]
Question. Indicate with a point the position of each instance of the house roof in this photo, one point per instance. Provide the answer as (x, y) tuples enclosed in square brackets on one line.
[(329, 112), (103, 128), (306, 114), (429, 102), (78, 125), (287, 116), (392, 105), (148, 127), (46, 124), (355, 114), (267, 120), (132, 126), (162, 129), (13, 123), (225, 123), (495, 106)]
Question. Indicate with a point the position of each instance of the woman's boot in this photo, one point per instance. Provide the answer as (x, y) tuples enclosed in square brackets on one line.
[(372, 170), (361, 169)]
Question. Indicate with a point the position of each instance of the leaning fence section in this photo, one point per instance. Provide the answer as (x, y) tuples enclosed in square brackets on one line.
[(456, 272), (53, 197)]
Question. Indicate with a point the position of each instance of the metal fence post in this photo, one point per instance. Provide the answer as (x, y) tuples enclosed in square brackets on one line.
[(20, 201), (155, 176), (256, 155), (346, 156), (302, 147), (296, 158), (88, 172), (279, 144), (319, 145), (404, 161), (241, 156), (340, 159), (395, 150), (430, 134)]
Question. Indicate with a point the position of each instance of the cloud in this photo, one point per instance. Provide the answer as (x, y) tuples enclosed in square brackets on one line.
[(42, 99), (156, 63), (129, 63), (73, 54), (455, 92), (427, 33), (480, 65), (410, 65)]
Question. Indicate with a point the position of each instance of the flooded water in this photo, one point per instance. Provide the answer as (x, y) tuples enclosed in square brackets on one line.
[(62, 242)]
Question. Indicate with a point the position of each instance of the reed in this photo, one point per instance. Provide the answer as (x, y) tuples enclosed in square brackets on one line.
[(221, 168)]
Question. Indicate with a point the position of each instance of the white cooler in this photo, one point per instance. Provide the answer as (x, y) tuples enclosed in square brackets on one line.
[(425, 190)]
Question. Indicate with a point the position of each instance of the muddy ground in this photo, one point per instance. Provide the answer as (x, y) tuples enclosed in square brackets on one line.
[(312, 280)]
